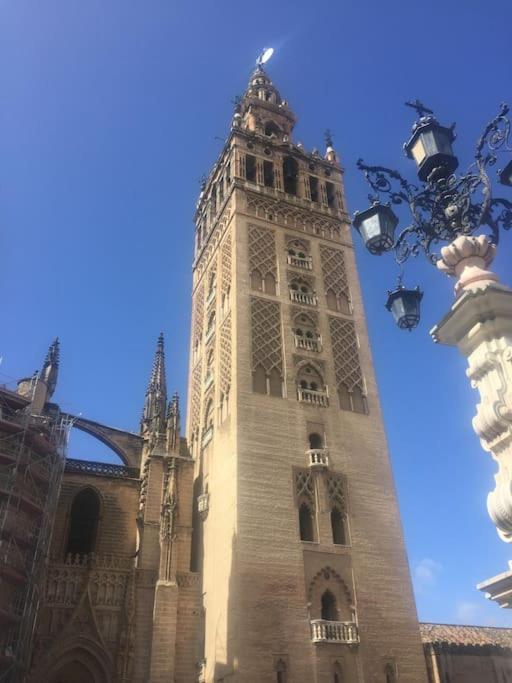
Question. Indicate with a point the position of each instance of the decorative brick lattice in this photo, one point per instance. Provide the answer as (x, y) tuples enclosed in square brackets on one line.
[(336, 491), (345, 353), (195, 397), (225, 355), (267, 349), (304, 486), (226, 260), (262, 251), (334, 272), (198, 314)]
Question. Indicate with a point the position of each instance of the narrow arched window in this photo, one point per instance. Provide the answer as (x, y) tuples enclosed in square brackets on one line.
[(290, 175), (256, 280), (338, 527), (281, 671), (306, 523), (390, 673), (338, 673), (275, 383), (83, 524), (329, 607), (315, 441), (358, 401), (259, 380)]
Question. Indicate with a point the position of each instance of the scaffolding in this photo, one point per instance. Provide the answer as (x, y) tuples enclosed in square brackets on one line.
[(32, 458)]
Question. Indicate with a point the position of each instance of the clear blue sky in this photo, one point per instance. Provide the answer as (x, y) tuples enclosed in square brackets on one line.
[(109, 116)]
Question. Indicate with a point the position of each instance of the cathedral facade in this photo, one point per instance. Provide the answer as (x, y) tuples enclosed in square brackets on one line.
[(266, 545)]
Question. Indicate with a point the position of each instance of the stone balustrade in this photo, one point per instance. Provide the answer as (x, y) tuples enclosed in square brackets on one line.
[(307, 343), (318, 457), (316, 398), (303, 298), (323, 631), (298, 262)]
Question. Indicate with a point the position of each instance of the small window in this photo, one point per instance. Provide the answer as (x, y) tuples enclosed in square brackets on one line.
[(281, 672), (329, 607), (270, 284), (315, 441), (259, 380), (313, 188), (83, 525), (275, 383), (268, 174), (331, 195), (306, 523), (390, 673), (256, 281), (250, 168)]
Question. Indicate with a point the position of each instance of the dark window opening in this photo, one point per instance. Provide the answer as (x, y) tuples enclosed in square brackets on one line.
[(290, 175), (270, 284), (259, 380), (313, 188), (306, 525), (390, 674), (315, 441), (275, 383), (338, 527), (256, 281), (250, 168), (272, 129), (268, 174), (329, 608), (83, 526), (331, 196)]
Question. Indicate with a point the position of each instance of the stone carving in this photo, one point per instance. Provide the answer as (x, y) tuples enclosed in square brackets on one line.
[(267, 349), (345, 354), (334, 271), (468, 258), (284, 214), (195, 397), (226, 261), (198, 316), (225, 355), (336, 490), (304, 487), (262, 251), (217, 230)]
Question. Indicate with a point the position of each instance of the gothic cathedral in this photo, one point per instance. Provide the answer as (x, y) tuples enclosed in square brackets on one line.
[(266, 547)]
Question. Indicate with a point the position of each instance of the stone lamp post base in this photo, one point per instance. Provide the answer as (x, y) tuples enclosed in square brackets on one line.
[(479, 324)]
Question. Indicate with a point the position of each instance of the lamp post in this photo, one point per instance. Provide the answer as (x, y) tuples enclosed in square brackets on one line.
[(448, 209)]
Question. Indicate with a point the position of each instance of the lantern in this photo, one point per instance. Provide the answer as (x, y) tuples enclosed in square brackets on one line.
[(376, 226), (404, 304), (431, 148)]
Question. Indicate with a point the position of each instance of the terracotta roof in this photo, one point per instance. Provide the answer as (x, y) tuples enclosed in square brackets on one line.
[(476, 636)]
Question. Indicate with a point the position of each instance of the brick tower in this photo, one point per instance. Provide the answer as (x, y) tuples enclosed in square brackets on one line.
[(297, 534)]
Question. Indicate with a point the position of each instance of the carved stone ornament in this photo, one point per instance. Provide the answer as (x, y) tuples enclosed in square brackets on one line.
[(467, 258), (480, 325)]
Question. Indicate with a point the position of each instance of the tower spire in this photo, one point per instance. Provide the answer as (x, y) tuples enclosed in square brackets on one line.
[(153, 415), (50, 370)]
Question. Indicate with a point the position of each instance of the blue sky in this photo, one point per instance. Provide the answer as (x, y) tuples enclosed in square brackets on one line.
[(111, 112)]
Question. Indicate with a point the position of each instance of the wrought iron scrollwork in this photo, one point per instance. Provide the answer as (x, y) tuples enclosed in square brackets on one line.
[(445, 207)]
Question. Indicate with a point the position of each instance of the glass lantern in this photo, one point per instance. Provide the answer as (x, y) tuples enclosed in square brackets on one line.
[(404, 304), (431, 148), (376, 226), (505, 175)]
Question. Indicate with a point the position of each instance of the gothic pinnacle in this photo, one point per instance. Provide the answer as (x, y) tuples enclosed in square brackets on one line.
[(155, 404), (50, 369)]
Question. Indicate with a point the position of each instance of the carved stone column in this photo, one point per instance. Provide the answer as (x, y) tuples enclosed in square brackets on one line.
[(480, 325)]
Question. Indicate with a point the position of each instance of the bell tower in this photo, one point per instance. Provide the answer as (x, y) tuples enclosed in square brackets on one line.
[(297, 535)]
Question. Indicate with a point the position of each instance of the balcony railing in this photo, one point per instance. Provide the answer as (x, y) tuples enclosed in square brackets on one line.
[(317, 398), (334, 632), (318, 457), (305, 262), (307, 343), (303, 298)]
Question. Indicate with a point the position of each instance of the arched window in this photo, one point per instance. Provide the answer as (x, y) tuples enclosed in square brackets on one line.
[(270, 284), (309, 378), (390, 673), (344, 397), (306, 523), (315, 441), (83, 524), (358, 401), (329, 607), (271, 129), (338, 527), (259, 380), (290, 175), (338, 673), (302, 292), (332, 301), (256, 280), (306, 334)]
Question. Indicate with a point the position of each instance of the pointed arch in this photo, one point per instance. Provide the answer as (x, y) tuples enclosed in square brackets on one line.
[(84, 517), (329, 606), (80, 659), (329, 579)]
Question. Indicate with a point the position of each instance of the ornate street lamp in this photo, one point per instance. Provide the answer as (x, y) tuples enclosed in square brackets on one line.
[(445, 206), (446, 210)]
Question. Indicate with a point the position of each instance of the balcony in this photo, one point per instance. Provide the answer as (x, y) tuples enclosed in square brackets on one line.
[(334, 632), (305, 262), (316, 398), (303, 298), (307, 343), (318, 457)]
